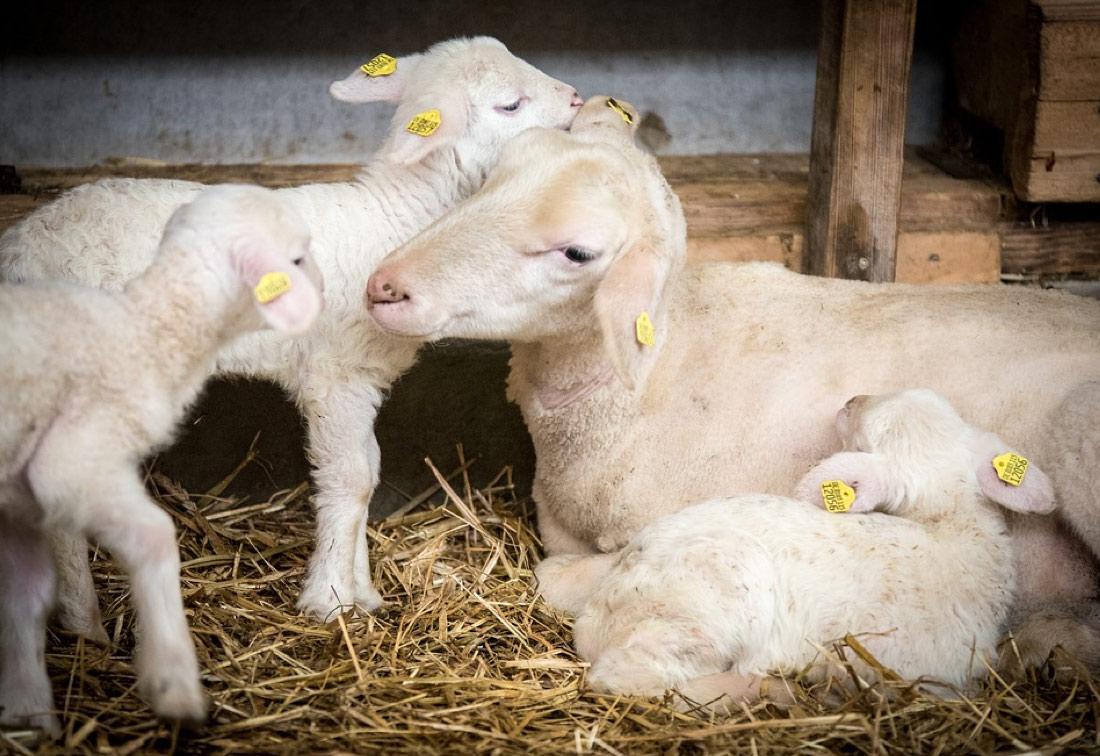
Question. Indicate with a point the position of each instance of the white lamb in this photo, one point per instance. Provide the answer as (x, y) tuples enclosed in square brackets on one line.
[(93, 381), (575, 247), (102, 234), (713, 598)]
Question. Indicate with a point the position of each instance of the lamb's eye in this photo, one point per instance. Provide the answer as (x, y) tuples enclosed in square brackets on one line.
[(578, 255), (298, 260), (511, 108)]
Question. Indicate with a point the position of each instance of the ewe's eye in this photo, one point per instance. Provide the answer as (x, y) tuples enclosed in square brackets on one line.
[(298, 260), (578, 255), (512, 108)]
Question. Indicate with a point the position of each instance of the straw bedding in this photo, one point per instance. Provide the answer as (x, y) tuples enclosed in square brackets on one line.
[(465, 659)]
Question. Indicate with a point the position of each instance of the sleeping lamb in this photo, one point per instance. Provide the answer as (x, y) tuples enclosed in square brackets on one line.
[(712, 598)]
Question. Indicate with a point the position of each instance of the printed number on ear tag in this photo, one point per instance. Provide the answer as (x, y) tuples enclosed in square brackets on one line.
[(1011, 468), (643, 330), (379, 65), (837, 495), (272, 286), (424, 124), (623, 112)]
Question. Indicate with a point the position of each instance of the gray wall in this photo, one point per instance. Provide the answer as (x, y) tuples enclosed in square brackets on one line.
[(208, 81)]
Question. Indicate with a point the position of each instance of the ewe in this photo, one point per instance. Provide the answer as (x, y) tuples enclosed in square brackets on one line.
[(647, 386), (712, 598), (103, 234), (93, 381)]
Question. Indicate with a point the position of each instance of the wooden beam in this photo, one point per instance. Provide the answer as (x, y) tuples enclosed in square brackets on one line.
[(863, 65)]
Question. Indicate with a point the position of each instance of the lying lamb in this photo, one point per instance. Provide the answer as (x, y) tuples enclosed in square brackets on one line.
[(712, 598), (646, 386), (457, 105), (94, 381)]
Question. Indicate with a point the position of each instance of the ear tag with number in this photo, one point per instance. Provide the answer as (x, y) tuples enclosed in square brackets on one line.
[(623, 112), (272, 286), (1011, 468), (837, 495), (380, 65), (643, 330), (425, 124)]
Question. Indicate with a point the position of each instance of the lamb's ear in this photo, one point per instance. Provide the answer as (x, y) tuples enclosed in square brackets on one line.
[(994, 458), (865, 474), (627, 301), (361, 87), (426, 124), (282, 293)]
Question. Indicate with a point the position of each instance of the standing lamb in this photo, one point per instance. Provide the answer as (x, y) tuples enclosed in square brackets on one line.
[(463, 100), (647, 386), (714, 597), (92, 382)]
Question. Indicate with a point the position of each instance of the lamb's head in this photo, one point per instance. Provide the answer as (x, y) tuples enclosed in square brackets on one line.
[(606, 119), (254, 246), (568, 238), (910, 453), (469, 94)]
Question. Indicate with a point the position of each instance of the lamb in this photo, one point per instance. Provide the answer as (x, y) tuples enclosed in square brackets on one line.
[(94, 381), (647, 386), (714, 597), (481, 95)]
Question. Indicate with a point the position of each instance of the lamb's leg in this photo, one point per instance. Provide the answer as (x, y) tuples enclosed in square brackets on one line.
[(721, 692), (1073, 626), (79, 481), (566, 581), (26, 596), (346, 458), (77, 602), (556, 539)]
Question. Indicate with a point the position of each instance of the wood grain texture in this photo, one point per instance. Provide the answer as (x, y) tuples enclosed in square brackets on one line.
[(1063, 177), (1057, 250), (863, 68), (1066, 126), (1070, 61)]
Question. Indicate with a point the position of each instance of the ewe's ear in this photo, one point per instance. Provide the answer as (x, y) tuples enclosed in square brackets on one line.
[(414, 137), (866, 474), (1035, 492), (360, 87), (627, 301), (287, 299)]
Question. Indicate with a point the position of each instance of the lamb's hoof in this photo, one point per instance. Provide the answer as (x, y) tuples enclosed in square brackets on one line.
[(87, 626), (176, 697), (322, 604), (367, 599), (29, 711)]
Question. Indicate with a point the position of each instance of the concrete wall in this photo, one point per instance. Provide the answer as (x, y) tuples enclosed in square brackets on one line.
[(210, 81)]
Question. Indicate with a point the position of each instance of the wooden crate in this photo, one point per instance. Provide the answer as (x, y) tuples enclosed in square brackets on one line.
[(1032, 69)]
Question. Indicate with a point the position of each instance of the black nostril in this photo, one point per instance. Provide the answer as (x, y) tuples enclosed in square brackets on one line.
[(387, 288)]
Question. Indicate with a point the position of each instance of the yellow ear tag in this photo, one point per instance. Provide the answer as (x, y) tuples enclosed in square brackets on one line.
[(272, 286), (379, 65), (837, 495), (643, 330), (1011, 468), (424, 124), (623, 112)]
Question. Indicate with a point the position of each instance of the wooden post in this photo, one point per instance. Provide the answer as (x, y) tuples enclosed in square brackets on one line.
[(863, 64)]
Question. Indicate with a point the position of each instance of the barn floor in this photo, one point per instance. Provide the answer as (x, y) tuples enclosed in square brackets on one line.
[(464, 659)]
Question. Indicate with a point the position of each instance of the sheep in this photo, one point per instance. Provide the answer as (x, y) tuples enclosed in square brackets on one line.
[(712, 598), (339, 374), (94, 381), (646, 386)]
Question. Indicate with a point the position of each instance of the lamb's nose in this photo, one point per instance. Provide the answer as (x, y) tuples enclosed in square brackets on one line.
[(577, 101), (856, 401), (383, 289)]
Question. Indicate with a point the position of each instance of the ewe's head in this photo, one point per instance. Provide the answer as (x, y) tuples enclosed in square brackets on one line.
[(568, 238), (482, 94), (255, 245), (910, 453)]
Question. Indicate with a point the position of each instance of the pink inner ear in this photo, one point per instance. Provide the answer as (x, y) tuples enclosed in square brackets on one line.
[(1035, 494)]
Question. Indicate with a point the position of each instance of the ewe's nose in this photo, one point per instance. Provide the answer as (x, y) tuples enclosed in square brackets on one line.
[(383, 288)]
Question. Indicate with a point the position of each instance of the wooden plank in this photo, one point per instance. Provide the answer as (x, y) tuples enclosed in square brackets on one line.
[(1069, 10), (42, 179), (863, 66), (1072, 126), (15, 207), (1064, 177), (1057, 250), (949, 257), (783, 246), (1070, 61)]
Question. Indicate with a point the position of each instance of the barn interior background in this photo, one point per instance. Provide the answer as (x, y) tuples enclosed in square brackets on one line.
[(1001, 173)]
